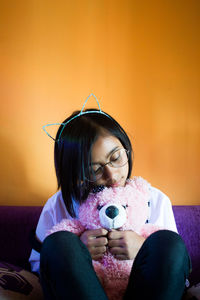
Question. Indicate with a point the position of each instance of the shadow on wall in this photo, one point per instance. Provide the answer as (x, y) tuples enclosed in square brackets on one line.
[(14, 188)]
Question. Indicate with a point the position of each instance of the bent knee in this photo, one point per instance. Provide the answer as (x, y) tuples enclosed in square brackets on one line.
[(60, 240), (169, 245)]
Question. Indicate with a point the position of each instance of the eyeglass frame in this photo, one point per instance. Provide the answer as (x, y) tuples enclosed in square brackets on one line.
[(110, 163)]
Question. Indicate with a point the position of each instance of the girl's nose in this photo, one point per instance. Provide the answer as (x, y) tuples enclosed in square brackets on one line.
[(110, 173)]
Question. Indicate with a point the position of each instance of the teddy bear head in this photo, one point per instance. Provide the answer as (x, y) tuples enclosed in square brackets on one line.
[(124, 208)]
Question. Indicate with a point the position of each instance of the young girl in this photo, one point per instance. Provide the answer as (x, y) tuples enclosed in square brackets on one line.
[(87, 146)]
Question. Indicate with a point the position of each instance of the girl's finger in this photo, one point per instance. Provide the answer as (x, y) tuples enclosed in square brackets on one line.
[(98, 250), (117, 251), (114, 243), (101, 241), (97, 232), (115, 235), (121, 257)]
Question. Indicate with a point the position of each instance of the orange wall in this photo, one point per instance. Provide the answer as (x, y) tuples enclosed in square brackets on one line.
[(140, 58)]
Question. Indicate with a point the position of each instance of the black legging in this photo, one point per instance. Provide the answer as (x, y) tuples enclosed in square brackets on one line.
[(159, 270)]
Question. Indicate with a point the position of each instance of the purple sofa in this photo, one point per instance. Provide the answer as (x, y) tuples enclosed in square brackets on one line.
[(16, 223)]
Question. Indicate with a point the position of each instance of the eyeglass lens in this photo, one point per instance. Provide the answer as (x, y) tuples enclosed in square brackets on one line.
[(118, 159)]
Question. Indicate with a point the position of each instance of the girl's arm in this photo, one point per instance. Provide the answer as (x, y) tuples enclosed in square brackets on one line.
[(126, 244), (53, 212), (96, 241), (44, 224), (161, 213)]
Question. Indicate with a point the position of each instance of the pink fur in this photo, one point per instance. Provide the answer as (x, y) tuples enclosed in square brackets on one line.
[(113, 273)]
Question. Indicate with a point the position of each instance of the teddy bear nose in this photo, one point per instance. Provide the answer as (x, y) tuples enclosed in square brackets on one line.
[(112, 211)]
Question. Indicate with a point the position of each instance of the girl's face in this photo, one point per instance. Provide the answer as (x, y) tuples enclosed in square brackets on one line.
[(102, 151)]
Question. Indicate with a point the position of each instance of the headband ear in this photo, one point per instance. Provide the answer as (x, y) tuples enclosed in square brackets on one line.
[(53, 124), (87, 100), (74, 117)]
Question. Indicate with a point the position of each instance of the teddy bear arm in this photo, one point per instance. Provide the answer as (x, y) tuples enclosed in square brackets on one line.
[(148, 229), (73, 226)]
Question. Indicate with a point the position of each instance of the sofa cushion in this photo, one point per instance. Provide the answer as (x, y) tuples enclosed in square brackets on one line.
[(16, 223), (188, 222), (18, 283)]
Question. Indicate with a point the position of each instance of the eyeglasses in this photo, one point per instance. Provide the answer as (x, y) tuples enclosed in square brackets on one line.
[(118, 159)]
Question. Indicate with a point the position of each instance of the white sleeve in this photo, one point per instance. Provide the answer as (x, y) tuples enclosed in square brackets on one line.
[(53, 212), (45, 223), (161, 212)]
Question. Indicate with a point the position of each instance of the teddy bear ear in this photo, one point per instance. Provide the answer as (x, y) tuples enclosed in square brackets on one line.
[(97, 189)]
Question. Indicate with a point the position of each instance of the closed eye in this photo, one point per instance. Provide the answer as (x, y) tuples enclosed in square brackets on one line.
[(96, 171), (125, 206), (116, 156)]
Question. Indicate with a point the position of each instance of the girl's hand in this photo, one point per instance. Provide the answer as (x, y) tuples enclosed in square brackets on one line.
[(96, 241), (124, 244)]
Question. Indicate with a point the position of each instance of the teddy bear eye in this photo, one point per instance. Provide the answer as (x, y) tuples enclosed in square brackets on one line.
[(99, 207), (125, 206)]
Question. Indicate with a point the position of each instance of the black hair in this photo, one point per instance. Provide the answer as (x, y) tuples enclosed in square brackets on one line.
[(72, 153)]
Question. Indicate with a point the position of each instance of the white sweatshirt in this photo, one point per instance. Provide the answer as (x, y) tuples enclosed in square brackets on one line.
[(54, 211)]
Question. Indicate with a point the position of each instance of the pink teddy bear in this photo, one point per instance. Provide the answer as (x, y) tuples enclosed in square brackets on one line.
[(119, 208)]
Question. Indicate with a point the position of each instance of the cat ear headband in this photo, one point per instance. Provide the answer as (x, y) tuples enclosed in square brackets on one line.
[(76, 116)]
